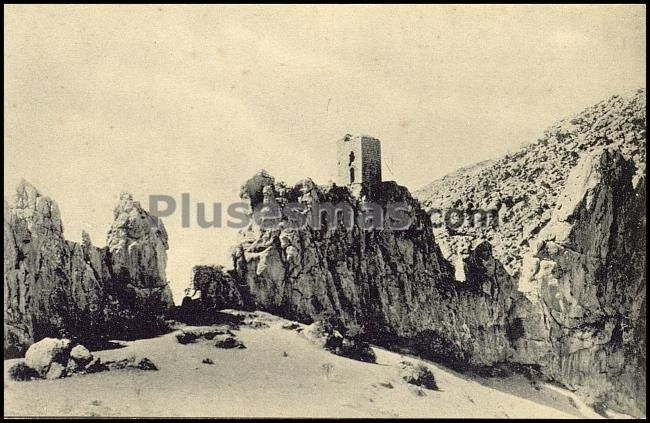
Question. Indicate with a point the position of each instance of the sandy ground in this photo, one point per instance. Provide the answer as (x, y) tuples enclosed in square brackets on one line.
[(262, 380)]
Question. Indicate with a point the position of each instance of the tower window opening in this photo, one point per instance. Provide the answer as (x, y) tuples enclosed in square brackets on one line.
[(351, 175)]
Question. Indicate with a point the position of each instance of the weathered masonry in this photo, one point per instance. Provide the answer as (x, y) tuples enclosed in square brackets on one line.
[(359, 160)]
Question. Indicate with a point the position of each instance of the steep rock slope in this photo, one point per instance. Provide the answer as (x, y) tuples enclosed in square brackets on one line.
[(54, 287), (519, 191), (585, 278)]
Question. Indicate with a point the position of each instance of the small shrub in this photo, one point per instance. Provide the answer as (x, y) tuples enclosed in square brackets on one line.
[(186, 337), (351, 348), (22, 372), (229, 342)]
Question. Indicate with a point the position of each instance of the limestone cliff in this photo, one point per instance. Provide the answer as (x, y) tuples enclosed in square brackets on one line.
[(54, 287), (585, 279)]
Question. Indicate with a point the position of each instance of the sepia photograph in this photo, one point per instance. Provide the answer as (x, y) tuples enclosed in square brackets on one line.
[(325, 211)]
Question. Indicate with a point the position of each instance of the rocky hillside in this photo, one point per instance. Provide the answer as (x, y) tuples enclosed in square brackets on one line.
[(54, 287), (556, 285), (519, 191)]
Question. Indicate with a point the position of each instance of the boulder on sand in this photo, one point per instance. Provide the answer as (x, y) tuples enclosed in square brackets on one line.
[(81, 355), (49, 357)]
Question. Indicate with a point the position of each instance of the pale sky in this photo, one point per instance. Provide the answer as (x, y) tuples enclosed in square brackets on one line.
[(174, 99)]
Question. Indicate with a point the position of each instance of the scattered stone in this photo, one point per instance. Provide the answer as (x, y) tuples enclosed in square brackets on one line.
[(95, 366), (207, 361), (145, 364), (318, 334), (56, 371), (419, 375), (137, 363), (256, 324), (81, 355)]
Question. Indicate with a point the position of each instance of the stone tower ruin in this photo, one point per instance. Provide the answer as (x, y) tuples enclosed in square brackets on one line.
[(359, 160)]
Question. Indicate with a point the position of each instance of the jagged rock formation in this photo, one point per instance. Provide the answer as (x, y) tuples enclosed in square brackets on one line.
[(361, 276), (585, 278), (137, 247), (59, 288), (392, 285), (518, 192)]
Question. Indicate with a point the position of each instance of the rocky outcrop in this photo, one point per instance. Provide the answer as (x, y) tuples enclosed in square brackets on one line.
[(387, 282), (370, 276), (137, 246), (52, 358), (59, 288), (585, 281)]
